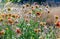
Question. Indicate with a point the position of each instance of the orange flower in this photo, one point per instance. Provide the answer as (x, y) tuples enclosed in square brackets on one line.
[(38, 14), (58, 24), (10, 21)]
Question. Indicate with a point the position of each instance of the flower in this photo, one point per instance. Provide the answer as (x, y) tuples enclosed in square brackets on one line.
[(9, 9), (1, 18), (13, 15), (27, 5), (44, 23), (10, 21), (23, 7), (28, 24), (2, 32), (33, 8), (30, 12), (48, 11), (37, 6), (6, 28), (41, 23), (37, 30), (38, 13), (56, 17), (17, 16), (3, 15), (18, 31), (58, 24)]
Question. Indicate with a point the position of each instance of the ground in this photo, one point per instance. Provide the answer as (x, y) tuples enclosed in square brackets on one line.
[(55, 11)]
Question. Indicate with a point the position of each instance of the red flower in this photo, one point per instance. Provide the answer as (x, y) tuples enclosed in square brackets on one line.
[(18, 31), (38, 14), (58, 24)]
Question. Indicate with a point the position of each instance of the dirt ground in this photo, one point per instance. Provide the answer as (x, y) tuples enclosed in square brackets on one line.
[(55, 11)]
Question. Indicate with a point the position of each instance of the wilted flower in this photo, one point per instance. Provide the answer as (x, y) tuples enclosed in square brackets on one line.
[(2, 32)]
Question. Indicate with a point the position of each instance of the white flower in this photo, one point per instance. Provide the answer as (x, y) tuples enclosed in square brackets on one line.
[(28, 24), (40, 8), (33, 15)]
